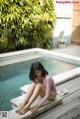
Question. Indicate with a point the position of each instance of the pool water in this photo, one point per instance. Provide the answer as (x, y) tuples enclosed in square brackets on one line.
[(14, 76)]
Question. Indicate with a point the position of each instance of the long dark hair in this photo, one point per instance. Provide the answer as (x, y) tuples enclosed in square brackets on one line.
[(34, 67)]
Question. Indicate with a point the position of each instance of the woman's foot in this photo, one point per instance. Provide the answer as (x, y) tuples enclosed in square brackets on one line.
[(21, 106), (62, 92), (23, 110)]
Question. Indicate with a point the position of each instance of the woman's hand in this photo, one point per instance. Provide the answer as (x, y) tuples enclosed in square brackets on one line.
[(35, 109)]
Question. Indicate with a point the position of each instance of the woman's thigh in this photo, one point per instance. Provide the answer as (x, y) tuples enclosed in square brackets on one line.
[(52, 95)]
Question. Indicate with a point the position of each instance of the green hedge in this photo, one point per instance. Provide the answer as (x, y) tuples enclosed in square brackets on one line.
[(26, 24)]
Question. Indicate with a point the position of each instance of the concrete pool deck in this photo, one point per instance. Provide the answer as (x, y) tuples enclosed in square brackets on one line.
[(70, 50), (7, 58)]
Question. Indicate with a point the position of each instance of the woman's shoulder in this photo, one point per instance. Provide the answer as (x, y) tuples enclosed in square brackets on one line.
[(48, 77)]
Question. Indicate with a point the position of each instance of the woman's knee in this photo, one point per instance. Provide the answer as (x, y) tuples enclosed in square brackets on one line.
[(39, 85), (41, 89), (31, 87)]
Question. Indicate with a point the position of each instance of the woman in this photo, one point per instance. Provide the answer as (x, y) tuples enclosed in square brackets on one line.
[(42, 85)]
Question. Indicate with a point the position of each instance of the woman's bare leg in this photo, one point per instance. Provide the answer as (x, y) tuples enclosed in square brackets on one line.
[(39, 88), (29, 92), (27, 96)]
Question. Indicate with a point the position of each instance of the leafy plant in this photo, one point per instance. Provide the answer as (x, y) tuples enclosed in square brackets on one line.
[(26, 24)]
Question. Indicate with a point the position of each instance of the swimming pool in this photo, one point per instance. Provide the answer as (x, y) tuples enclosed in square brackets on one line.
[(13, 76)]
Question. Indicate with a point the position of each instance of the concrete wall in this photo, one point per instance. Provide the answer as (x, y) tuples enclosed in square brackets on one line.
[(63, 22)]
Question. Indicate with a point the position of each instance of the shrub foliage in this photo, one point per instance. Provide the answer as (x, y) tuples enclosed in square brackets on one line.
[(26, 24)]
